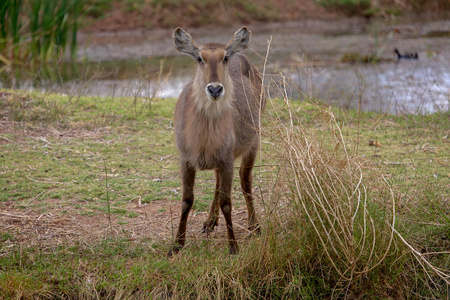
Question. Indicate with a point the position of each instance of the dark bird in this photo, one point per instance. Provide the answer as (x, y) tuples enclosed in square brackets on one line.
[(406, 55)]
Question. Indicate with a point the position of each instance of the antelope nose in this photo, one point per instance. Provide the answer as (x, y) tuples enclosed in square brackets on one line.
[(215, 91)]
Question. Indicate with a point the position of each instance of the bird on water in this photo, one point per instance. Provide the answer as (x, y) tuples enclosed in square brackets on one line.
[(406, 55)]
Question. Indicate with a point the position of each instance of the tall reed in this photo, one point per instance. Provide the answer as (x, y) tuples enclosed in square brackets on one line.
[(39, 31)]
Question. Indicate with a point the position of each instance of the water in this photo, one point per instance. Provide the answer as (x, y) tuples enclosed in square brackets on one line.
[(405, 87), (308, 54)]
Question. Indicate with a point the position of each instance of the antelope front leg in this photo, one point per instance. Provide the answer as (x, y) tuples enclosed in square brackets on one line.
[(213, 217), (225, 182), (188, 179)]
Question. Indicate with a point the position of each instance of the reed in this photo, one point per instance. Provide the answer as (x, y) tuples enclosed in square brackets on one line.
[(39, 31)]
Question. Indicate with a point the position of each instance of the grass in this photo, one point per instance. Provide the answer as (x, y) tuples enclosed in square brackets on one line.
[(65, 233)]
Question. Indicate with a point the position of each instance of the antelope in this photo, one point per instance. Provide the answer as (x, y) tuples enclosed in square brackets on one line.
[(216, 120)]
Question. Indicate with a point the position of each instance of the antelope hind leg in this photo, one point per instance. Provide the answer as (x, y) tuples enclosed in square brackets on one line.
[(245, 174)]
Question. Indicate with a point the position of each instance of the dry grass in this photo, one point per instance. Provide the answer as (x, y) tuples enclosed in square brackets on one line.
[(321, 204), (337, 208)]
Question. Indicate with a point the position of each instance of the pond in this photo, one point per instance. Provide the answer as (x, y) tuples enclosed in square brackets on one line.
[(320, 59)]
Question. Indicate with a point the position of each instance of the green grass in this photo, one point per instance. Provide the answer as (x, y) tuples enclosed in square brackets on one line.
[(65, 168), (56, 241)]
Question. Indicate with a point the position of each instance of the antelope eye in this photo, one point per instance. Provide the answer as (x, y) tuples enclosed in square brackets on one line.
[(225, 59), (199, 59)]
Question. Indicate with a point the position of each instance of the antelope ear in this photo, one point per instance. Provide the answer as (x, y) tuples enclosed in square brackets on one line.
[(239, 42), (184, 43)]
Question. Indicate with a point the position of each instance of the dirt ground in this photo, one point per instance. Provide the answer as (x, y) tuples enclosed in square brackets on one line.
[(157, 222), (62, 223)]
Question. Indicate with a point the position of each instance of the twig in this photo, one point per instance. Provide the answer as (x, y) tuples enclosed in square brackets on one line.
[(359, 99), (107, 199), (6, 139), (382, 116), (388, 163), (261, 97), (171, 221), (14, 216), (420, 257), (436, 253), (35, 198)]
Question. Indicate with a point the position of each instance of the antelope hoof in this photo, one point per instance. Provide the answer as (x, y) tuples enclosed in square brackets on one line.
[(233, 249), (254, 229), (175, 249), (209, 225)]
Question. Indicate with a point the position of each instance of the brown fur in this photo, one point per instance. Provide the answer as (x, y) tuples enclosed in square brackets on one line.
[(210, 133)]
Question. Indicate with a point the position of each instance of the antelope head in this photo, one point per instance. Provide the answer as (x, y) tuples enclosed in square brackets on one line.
[(212, 72)]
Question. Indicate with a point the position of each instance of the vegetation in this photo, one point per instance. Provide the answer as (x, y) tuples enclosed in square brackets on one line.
[(97, 8), (370, 8), (199, 12), (358, 58), (352, 204), (38, 31), (129, 14), (350, 7)]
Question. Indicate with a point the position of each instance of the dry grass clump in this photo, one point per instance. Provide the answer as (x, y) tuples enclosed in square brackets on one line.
[(330, 219), (335, 222)]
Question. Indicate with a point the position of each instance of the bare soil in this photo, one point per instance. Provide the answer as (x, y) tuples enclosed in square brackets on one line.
[(61, 225)]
